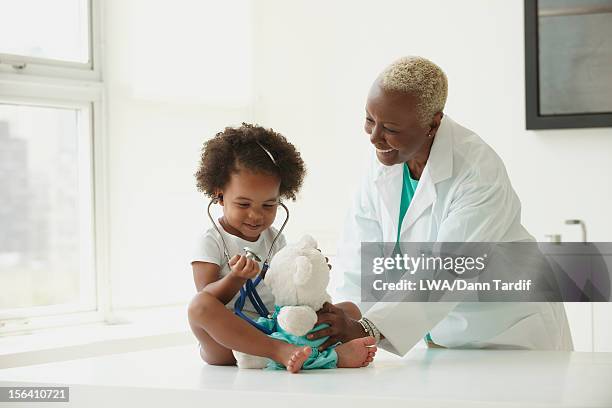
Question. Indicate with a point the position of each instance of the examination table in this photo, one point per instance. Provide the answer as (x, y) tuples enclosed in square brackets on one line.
[(176, 377)]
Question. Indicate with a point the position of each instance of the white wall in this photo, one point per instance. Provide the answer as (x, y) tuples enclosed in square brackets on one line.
[(314, 64), (170, 85)]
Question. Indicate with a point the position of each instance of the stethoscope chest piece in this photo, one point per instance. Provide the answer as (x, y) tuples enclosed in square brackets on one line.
[(250, 254)]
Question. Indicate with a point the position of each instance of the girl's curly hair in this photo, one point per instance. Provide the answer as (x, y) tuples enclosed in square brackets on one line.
[(241, 147)]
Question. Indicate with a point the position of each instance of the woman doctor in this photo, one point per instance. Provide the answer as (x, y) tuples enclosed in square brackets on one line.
[(432, 180)]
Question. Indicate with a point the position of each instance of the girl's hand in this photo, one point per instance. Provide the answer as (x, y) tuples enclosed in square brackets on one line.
[(341, 327), (243, 268)]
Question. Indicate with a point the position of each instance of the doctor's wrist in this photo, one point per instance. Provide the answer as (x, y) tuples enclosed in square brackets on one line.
[(357, 330), (370, 329)]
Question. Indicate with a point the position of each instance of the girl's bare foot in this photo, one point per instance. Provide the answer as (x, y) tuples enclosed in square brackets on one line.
[(297, 359), (356, 353), (292, 357)]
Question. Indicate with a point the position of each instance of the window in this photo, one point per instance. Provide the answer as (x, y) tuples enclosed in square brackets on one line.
[(50, 154), (26, 30), (45, 240), (52, 39)]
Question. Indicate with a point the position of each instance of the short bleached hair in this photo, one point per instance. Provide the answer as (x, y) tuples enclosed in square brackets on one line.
[(421, 78)]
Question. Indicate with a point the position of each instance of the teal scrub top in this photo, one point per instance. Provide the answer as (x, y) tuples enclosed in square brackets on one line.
[(409, 186)]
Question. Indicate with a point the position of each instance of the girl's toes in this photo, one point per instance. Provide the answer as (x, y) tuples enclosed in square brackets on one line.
[(297, 359), (369, 341)]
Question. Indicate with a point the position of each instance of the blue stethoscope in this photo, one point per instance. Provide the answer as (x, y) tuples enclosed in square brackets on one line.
[(249, 289)]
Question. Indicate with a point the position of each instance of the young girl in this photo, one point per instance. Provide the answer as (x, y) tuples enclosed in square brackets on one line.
[(248, 169)]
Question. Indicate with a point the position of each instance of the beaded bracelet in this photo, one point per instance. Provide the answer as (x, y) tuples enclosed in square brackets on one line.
[(370, 328)]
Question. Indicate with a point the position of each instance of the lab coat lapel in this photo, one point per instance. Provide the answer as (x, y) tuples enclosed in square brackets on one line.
[(439, 167), (424, 196), (389, 185)]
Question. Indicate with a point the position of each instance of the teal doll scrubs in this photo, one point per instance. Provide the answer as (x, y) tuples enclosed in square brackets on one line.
[(317, 359)]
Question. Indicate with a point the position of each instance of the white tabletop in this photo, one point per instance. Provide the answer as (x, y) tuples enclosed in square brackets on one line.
[(425, 377)]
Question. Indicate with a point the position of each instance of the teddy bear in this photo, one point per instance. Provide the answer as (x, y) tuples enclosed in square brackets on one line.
[(297, 277)]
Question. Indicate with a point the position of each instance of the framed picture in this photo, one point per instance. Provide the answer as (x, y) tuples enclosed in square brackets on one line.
[(568, 63)]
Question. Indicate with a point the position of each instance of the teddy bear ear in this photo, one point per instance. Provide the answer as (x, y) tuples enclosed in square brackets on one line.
[(307, 241), (303, 270)]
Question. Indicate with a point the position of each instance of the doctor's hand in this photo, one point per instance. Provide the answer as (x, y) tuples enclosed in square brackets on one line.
[(243, 268), (342, 327)]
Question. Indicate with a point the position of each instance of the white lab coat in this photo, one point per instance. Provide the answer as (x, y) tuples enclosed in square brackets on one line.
[(464, 195)]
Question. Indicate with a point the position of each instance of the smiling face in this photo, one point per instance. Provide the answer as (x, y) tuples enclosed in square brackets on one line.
[(394, 127), (250, 201)]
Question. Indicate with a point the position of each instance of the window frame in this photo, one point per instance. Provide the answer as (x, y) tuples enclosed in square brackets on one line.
[(48, 83)]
